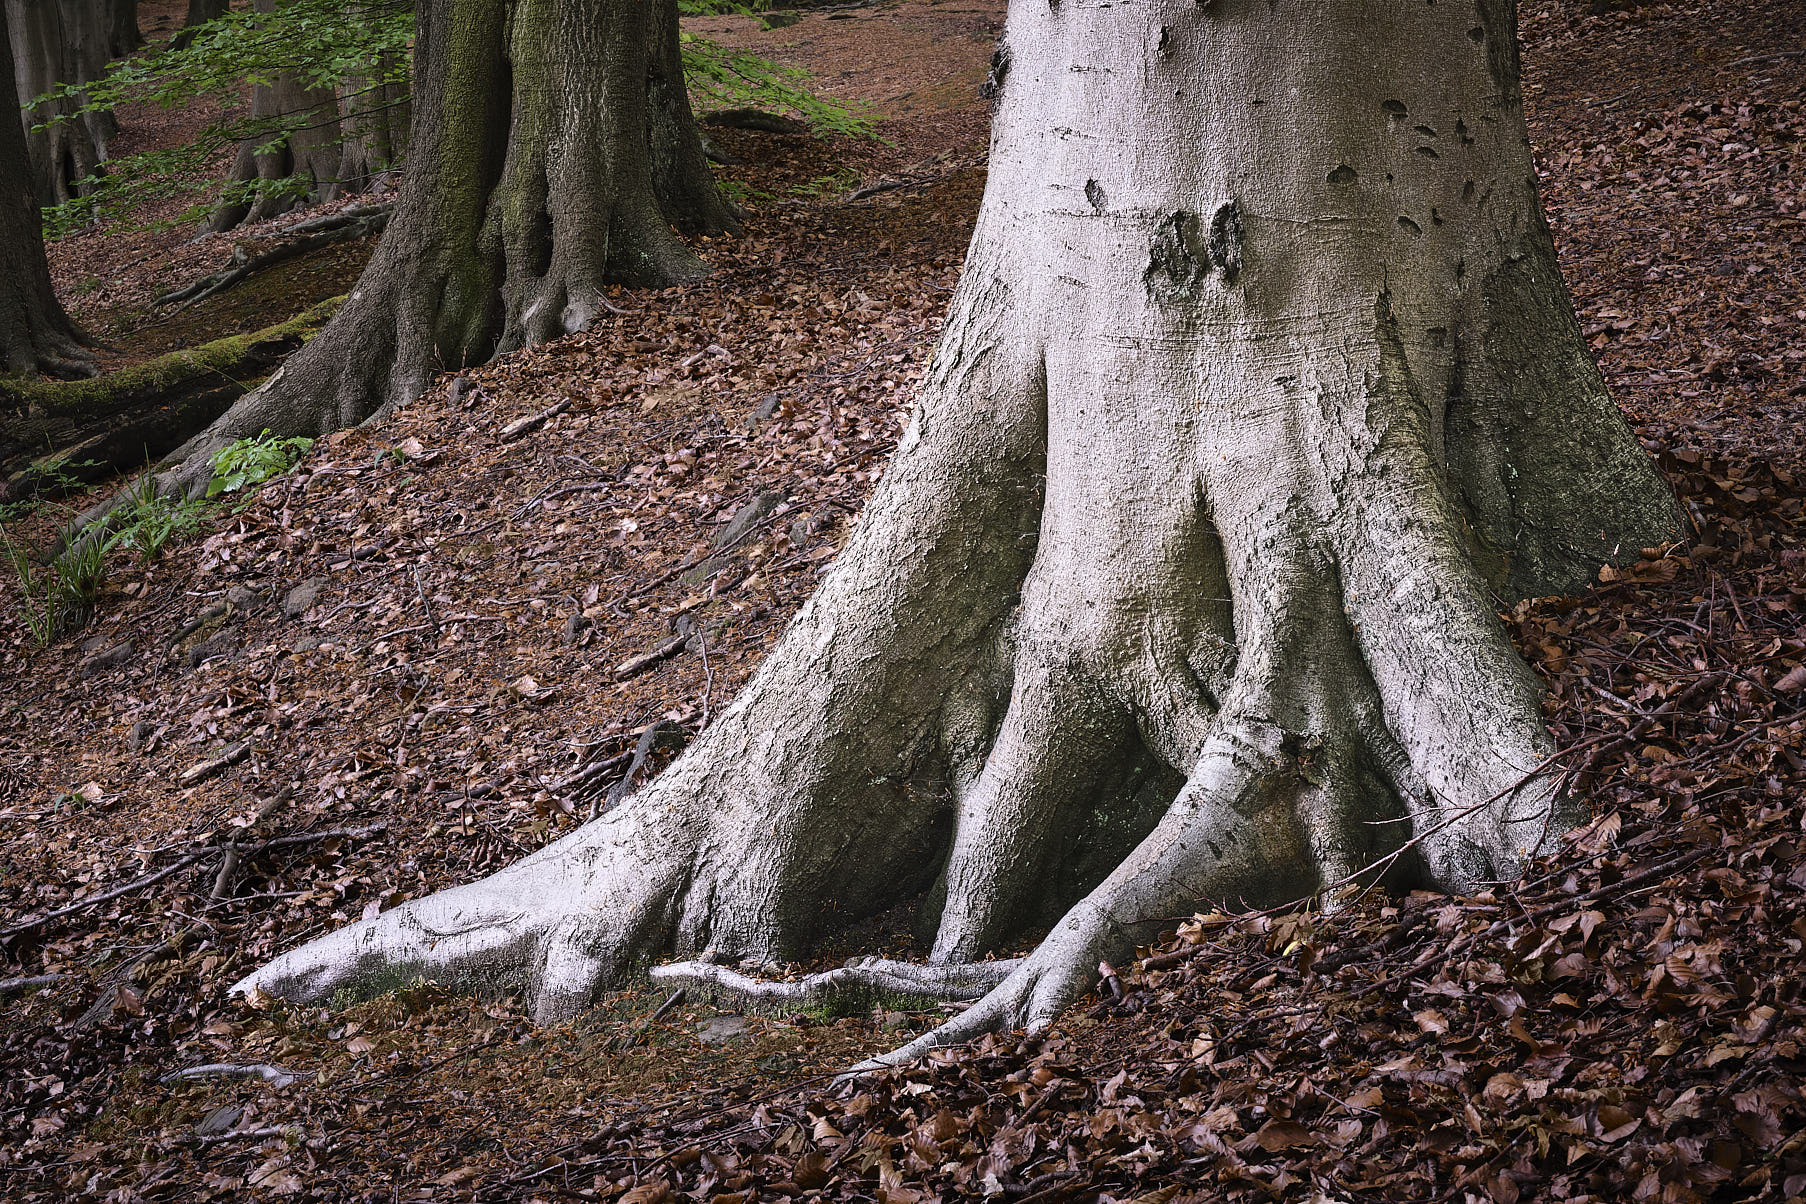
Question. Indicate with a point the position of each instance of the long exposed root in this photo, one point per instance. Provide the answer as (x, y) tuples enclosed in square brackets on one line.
[(855, 988)]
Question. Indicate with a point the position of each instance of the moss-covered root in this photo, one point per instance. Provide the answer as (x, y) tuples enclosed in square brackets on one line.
[(95, 427), (112, 391)]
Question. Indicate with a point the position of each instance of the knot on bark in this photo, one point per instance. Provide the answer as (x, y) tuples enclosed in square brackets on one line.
[(1184, 250)]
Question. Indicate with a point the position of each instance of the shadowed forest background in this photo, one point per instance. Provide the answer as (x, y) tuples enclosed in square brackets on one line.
[(438, 641)]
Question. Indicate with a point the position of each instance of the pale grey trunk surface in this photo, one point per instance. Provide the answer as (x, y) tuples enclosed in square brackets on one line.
[(1260, 381)]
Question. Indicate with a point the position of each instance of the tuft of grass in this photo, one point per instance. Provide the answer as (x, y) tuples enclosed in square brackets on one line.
[(57, 594), (60, 596)]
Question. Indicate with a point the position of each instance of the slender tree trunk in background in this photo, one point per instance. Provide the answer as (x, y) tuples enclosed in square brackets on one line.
[(680, 170), (527, 191), (60, 42), (305, 163), (35, 334), (1259, 383)]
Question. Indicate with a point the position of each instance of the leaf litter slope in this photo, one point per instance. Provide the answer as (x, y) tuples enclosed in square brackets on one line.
[(1627, 1025)]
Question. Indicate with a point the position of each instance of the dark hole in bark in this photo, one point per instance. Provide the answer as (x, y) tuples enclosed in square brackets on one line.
[(1406, 223), (1428, 152), (1094, 192), (1395, 107), (1342, 173)]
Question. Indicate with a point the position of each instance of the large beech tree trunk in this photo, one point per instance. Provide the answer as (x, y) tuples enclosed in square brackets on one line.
[(1259, 389), (35, 334), (61, 42), (527, 190)]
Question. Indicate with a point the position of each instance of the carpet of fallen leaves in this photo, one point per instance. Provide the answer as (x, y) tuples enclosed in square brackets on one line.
[(434, 646)]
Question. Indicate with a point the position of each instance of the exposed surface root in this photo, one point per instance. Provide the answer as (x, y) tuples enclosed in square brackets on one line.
[(852, 989)]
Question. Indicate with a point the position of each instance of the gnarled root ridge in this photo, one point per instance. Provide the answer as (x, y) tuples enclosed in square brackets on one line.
[(1174, 595)]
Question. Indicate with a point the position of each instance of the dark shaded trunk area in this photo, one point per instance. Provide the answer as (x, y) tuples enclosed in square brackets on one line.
[(35, 333), (123, 35), (680, 169), (199, 13)]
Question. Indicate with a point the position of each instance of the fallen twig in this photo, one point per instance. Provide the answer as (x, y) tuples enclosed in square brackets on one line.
[(232, 756), (20, 986), (238, 1135), (645, 661), (90, 900), (276, 1075), (228, 864), (181, 863), (633, 1035), (309, 236), (524, 426)]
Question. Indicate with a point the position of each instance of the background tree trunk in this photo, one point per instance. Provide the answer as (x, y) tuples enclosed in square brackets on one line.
[(305, 163), (527, 191), (35, 334), (199, 13), (123, 35), (1260, 380), (60, 42), (374, 127)]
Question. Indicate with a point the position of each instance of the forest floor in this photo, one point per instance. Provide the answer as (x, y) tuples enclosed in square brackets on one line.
[(400, 666)]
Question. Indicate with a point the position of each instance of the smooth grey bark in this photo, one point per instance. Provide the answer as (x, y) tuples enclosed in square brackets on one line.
[(1259, 389), (56, 42), (526, 192), (35, 334)]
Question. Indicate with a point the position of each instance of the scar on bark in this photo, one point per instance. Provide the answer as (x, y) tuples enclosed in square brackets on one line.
[(1183, 250)]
